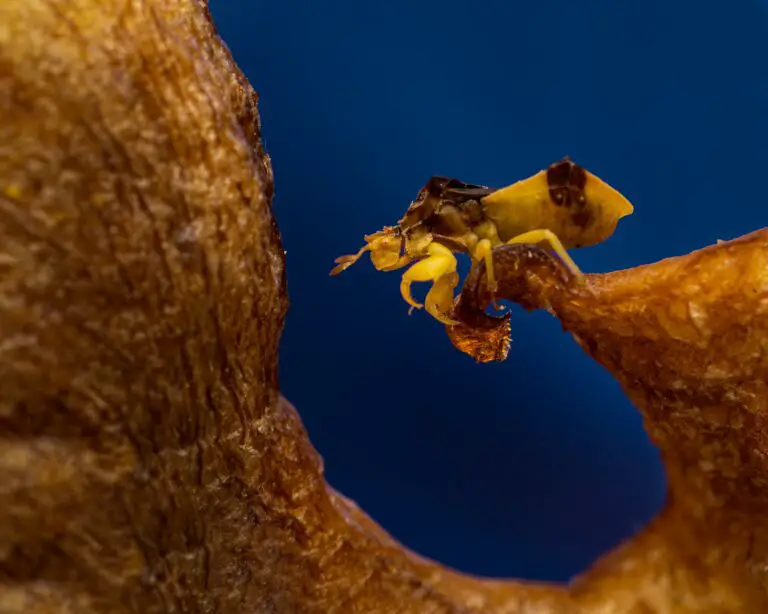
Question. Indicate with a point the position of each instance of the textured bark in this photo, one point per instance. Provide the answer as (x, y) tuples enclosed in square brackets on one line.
[(147, 462)]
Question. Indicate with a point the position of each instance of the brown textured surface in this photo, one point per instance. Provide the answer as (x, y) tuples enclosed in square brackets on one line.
[(147, 463), (687, 339)]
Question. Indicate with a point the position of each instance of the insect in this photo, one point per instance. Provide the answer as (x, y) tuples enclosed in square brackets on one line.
[(561, 207)]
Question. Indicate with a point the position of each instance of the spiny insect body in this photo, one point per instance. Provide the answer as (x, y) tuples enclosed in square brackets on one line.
[(561, 207)]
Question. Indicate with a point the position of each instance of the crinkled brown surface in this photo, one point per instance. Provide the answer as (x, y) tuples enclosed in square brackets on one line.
[(147, 462), (687, 338)]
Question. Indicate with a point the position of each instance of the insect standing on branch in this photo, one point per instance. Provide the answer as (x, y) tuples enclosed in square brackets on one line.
[(562, 207)]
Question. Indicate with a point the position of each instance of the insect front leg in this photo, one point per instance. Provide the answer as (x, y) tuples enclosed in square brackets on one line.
[(439, 267), (439, 300)]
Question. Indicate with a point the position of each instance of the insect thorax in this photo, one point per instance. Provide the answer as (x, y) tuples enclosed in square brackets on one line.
[(447, 211)]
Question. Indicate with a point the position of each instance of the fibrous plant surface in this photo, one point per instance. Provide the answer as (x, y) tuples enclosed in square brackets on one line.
[(147, 461)]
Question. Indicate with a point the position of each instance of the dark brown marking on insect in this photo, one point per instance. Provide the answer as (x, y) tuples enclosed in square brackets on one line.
[(458, 192), (582, 217), (472, 213), (566, 181), (427, 203), (452, 191), (448, 221), (445, 206)]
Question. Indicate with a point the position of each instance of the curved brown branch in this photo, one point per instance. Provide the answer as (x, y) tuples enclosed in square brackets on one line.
[(686, 338), (147, 462)]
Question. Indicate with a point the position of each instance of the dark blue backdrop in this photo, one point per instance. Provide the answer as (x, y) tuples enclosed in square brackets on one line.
[(534, 467)]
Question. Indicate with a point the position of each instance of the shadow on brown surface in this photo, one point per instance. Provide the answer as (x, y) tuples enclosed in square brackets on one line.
[(147, 462)]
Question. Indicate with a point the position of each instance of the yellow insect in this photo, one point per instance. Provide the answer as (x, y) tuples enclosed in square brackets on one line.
[(562, 207)]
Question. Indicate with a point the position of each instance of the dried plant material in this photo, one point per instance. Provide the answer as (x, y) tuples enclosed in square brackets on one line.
[(141, 300), (147, 462), (527, 274), (687, 338)]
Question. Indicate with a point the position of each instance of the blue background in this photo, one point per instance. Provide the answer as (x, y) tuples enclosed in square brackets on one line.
[(533, 467)]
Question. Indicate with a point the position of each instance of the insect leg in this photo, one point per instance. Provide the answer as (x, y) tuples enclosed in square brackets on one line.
[(483, 251), (549, 237), (439, 300), (440, 262)]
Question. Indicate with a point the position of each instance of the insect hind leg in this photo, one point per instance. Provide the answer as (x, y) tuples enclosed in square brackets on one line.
[(549, 238)]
